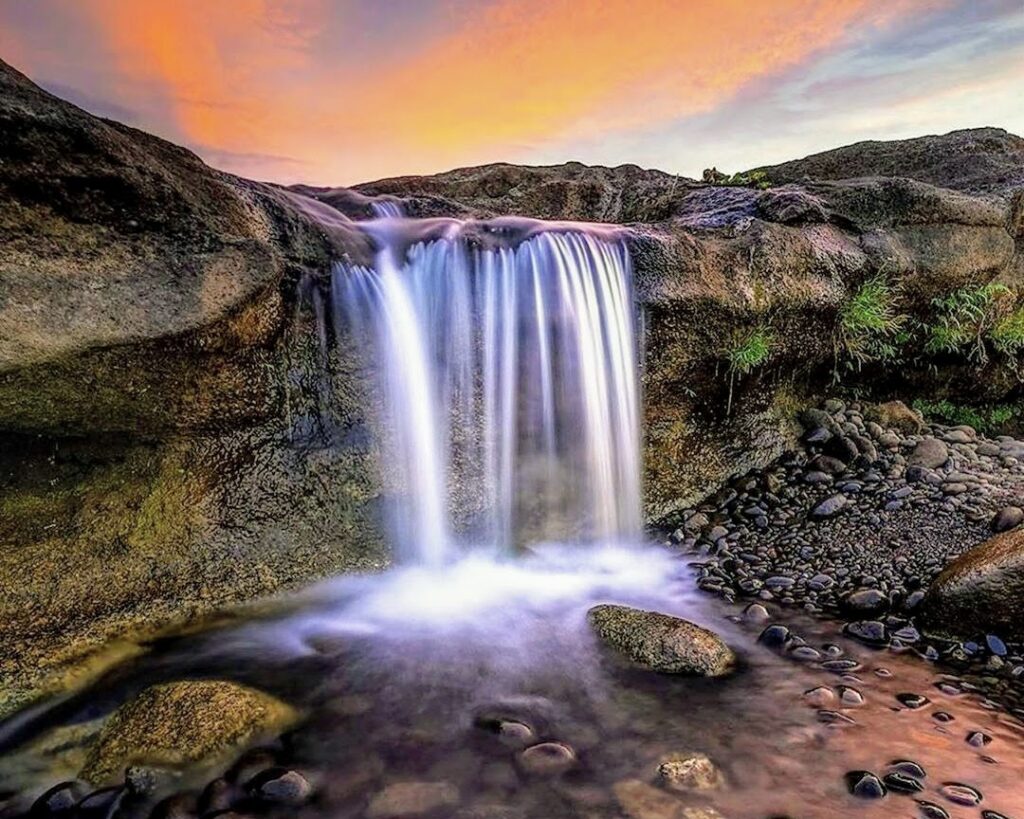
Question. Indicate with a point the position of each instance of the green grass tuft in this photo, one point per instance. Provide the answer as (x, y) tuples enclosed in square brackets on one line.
[(988, 420), (749, 350), (870, 328), (966, 316)]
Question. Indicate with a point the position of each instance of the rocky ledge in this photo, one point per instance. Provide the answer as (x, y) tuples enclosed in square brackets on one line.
[(172, 439)]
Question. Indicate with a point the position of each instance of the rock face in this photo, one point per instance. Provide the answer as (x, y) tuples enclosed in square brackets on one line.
[(173, 441), (982, 591), (177, 724), (661, 642)]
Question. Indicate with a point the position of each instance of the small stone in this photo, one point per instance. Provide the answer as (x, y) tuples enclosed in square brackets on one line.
[(820, 696), (850, 697), (961, 794), (547, 759), (281, 786), (829, 507), (978, 739), (909, 768), (901, 783), (865, 785), (929, 810), (870, 632), (755, 613), (412, 799), (689, 772), (100, 804), (995, 645), (913, 701), (871, 602), (775, 636)]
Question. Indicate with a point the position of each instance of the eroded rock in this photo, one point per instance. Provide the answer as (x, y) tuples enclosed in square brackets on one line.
[(662, 642)]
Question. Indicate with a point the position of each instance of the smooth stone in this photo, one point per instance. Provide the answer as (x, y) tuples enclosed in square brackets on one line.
[(662, 642), (865, 785), (1009, 517), (547, 759), (865, 601), (870, 632), (412, 799), (909, 768), (978, 739), (930, 453), (961, 794), (829, 507), (901, 783), (913, 701), (282, 787), (820, 696), (929, 810)]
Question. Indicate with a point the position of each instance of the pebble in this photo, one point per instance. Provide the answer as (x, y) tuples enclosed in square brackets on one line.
[(281, 786), (865, 785), (961, 794), (547, 759)]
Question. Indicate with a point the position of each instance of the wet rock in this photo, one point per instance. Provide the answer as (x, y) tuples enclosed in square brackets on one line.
[(661, 642), (865, 785), (961, 794), (902, 783), (101, 804), (931, 453), (829, 507), (1009, 517), (178, 806), (182, 723), (868, 602), (58, 801), (412, 799), (775, 636), (982, 591), (913, 701), (547, 759), (870, 632), (281, 786), (908, 767), (929, 810), (822, 696), (978, 739), (755, 613), (689, 772)]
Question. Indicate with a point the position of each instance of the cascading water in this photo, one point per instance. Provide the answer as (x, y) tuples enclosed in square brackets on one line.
[(510, 411)]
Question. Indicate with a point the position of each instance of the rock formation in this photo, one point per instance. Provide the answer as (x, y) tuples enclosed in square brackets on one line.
[(167, 440)]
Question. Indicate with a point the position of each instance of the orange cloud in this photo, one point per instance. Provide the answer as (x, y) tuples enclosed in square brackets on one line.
[(252, 77)]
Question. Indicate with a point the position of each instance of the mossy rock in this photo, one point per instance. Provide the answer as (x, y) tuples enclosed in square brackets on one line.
[(184, 723)]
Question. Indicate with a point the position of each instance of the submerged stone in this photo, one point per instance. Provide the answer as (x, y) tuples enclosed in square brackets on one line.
[(182, 723), (662, 642)]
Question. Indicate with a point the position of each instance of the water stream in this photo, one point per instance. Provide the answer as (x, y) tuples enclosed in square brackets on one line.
[(507, 375)]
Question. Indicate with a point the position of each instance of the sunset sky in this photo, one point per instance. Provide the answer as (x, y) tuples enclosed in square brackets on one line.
[(335, 92)]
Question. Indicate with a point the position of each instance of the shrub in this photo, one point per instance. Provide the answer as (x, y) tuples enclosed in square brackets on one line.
[(985, 419)]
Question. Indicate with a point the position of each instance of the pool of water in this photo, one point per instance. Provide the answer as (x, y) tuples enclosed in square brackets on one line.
[(402, 676)]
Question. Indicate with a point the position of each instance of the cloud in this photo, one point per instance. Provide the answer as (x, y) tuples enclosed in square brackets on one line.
[(360, 89)]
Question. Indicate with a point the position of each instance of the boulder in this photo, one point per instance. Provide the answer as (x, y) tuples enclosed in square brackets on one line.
[(661, 642), (981, 592), (930, 453), (1009, 517), (689, 772), (183, 723), (896, 415)]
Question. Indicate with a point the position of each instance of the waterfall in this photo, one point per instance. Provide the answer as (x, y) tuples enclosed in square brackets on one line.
[(508, 379)]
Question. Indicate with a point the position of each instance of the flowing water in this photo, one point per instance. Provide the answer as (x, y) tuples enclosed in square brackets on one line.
[(508, 412)]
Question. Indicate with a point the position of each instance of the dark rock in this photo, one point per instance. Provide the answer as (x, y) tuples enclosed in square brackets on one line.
[(1009, 517), (829, 507), (902, 783), (865, 785), (281, 786), (870, 602), (775, 636), (870, 632), (58, 801)]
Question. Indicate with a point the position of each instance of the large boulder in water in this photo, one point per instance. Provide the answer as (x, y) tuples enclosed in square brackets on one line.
[(982, 591), (184, 723), (661, 642)]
